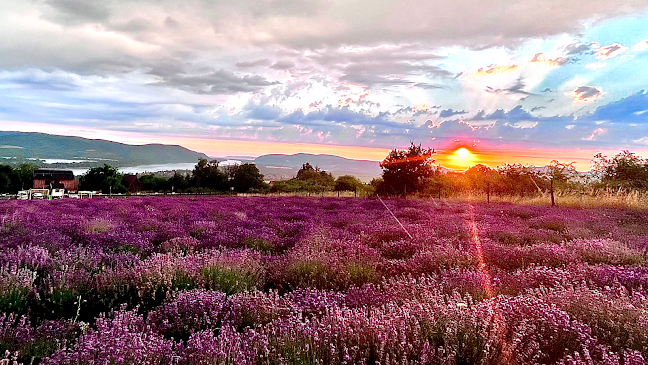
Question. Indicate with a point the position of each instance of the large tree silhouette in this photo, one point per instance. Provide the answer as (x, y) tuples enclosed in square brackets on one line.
[(404, 170)]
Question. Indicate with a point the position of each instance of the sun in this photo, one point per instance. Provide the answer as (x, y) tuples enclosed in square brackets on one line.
[(463, 153), (462, 159)]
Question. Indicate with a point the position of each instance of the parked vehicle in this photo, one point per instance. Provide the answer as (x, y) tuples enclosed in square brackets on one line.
[(23, 195), (57, 193), (37, 196)]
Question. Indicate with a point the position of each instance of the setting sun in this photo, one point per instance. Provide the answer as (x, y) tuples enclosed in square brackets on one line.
[(461, 159), (463, 153)]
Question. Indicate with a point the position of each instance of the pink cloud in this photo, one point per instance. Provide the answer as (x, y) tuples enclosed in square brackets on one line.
[(611, 51)]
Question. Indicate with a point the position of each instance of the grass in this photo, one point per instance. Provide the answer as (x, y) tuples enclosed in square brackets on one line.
[(589, 199)]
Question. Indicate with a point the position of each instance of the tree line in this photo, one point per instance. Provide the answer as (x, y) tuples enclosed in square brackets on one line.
[(405, 172), (413, 171)]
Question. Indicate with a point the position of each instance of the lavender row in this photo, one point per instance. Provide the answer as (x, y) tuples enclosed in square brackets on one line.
[(300, 280)]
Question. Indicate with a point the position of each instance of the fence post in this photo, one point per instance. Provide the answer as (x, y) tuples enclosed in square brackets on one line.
[(553, 201), (488, 193)]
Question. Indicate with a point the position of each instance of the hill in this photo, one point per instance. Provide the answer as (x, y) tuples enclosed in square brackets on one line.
[(280, 166), (50, 150)]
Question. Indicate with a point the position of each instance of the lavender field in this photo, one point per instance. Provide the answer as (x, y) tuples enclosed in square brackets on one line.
[(265, 280)]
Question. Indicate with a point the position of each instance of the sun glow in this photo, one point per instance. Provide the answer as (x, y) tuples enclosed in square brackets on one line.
[(461, 159)]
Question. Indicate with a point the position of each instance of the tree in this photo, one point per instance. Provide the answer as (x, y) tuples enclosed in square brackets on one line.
[(9, 180), (348, 183), (154, 183), (404, 170), (315, 179), (247, 177), (106, 179), (178, 182), (625, 170), (206, 174), (518, 179), (25, 176)]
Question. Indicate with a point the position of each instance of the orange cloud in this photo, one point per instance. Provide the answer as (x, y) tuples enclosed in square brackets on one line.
[(539, 58), (611, 51), (493, 70), (420, 108)]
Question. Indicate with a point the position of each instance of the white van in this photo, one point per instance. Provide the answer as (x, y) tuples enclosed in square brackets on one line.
[(23, 195), (58, 193)]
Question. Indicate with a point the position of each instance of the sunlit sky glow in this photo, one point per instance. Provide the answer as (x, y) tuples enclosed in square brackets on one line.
[(513, 82)]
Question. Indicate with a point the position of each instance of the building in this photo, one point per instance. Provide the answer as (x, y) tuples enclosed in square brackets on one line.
[(133, 183), (55, 179)]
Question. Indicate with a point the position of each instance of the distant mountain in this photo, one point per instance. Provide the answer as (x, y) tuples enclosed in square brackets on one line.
[(279, 166), (21, 146)]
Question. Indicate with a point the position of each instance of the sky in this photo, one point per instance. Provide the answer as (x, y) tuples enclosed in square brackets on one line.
[(526, 81)]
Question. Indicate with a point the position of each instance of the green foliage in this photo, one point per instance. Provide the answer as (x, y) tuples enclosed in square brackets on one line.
[(315, 179), (309, 178), (13, 180), (206, 174), (14, 300), (8, 179), (517, 179), (106, 179), (404, 170), (178, 182), (154, 183), (625, 170), (348, 183), (247, 177), (229, 281)]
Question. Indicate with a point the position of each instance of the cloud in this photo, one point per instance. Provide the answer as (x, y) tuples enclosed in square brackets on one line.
[(263, 112), (79, 11), (255, 63), (549, 62), (283, 65), (515, 89), (382, 66), (586, 94), (578, 48), (218, 82), (611, 51), (492, 70), (449, 113), (641, 46), (38, 79)]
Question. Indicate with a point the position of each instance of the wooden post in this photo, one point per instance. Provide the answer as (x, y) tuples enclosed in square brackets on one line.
[(553, 201), (488, 193), (338, 193)]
